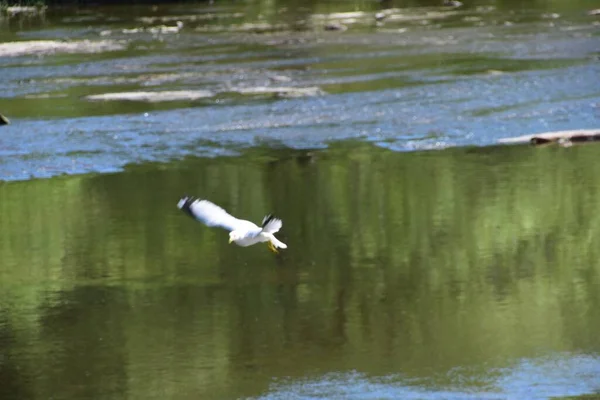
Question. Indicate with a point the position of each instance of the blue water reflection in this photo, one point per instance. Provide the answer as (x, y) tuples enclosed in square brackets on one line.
[(530, 379)]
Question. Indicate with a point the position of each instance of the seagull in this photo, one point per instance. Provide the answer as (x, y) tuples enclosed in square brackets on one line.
[(241, 232)]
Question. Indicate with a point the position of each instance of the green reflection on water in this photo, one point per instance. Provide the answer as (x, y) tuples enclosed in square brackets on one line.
[(408, 264)]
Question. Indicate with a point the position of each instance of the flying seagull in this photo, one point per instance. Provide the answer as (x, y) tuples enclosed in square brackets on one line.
[(243, 233)]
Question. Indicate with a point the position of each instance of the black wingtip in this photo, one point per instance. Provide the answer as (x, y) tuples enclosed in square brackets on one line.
[(184, 204), (267, 219)]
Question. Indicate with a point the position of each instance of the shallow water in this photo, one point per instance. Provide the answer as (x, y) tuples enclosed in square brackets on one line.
[(470, 272), (92, 90)]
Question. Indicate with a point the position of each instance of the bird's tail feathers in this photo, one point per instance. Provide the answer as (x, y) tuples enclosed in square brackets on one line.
[(270, 224)]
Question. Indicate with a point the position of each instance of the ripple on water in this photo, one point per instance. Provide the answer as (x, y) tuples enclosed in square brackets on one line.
[(392, 78)]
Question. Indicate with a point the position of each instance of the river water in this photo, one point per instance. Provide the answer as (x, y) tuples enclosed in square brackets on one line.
[(424, 261)]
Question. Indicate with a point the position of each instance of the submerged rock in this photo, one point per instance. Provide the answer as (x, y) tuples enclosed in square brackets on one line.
[(40, 47), (395, 15), (289, 92), (24, 10), (257, 28), (341, 15), (335, 26), (340, 21), (452, 3), (173, 95), (166, 29)]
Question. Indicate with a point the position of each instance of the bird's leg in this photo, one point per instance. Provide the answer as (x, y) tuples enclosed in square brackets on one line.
[(272, 247)]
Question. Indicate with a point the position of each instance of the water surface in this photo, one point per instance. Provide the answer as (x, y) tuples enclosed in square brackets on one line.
[(466, 273), (92, 90), (459, 274)]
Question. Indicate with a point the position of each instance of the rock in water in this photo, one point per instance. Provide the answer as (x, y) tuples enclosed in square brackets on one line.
[(452, 3)]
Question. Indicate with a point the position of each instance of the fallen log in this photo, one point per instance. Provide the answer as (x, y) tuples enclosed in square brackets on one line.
[(564, 138), (4, 120)]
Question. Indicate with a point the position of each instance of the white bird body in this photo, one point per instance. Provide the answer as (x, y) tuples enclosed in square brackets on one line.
[(241, 232)]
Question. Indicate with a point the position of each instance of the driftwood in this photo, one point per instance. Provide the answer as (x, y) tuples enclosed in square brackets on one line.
[(565, 138), (4, 120)]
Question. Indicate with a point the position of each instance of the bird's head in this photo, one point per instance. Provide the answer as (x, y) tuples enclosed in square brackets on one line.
[(233, 236)]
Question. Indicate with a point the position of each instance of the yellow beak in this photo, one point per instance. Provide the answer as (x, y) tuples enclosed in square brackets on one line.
[(230, 240)]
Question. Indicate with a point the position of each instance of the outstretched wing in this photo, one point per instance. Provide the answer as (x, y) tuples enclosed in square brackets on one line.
[(270, 224), (210, 214)]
